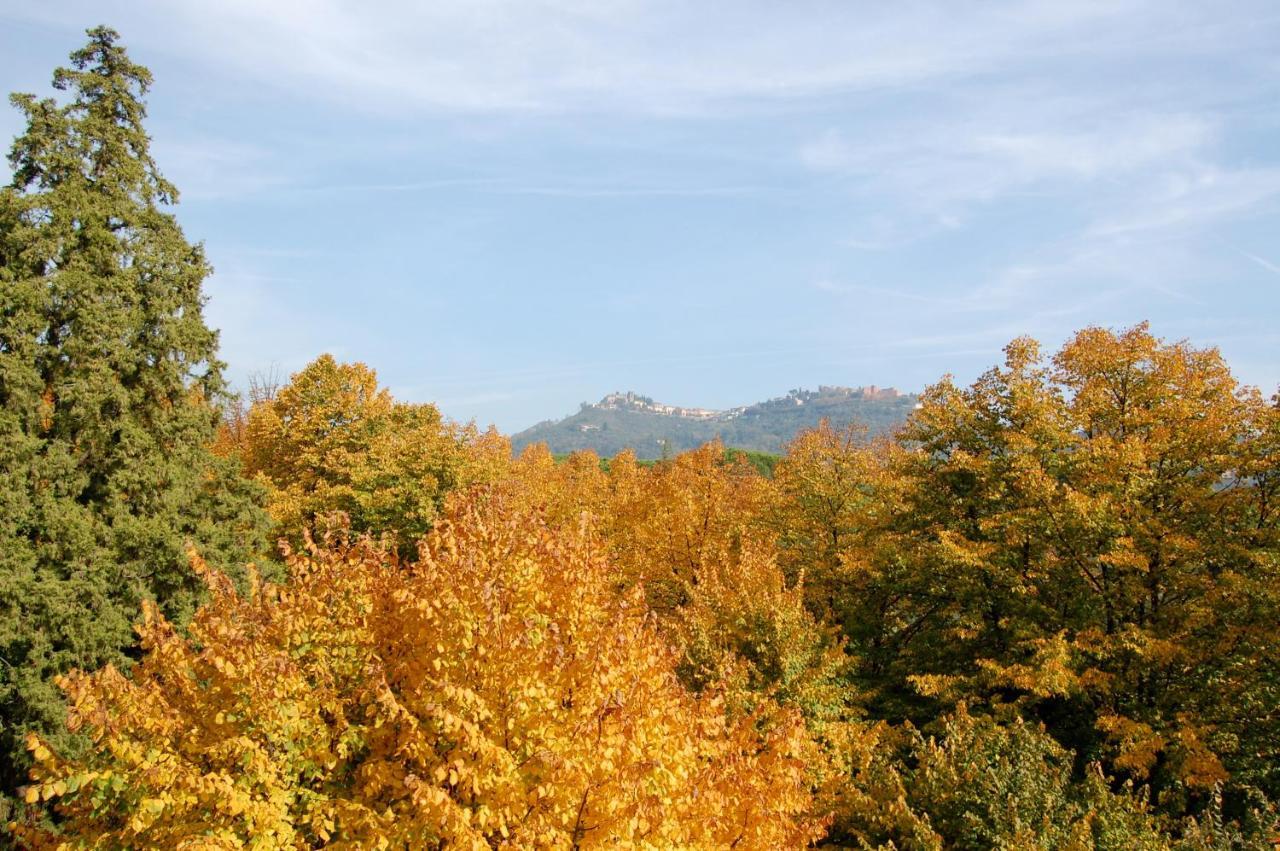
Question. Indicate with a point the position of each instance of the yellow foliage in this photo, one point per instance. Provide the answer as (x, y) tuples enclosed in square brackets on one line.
[(497, 692), (671, 521), (333, 441), (828, 494), (562, 491)]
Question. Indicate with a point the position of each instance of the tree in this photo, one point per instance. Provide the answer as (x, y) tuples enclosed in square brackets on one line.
[(497, 693), (332, 440), (1091, 541), (110, 391), (563, 490), (830, 494), (670, 521), (978, 784)]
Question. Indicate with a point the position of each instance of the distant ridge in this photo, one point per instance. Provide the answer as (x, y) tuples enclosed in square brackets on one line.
[(629, 420)]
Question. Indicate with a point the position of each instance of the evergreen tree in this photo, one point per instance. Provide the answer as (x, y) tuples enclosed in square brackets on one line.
[(110, 393)]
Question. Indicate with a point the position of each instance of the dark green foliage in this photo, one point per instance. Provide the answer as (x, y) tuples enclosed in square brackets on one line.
[(110, 391), (763, 462), (561, 457)]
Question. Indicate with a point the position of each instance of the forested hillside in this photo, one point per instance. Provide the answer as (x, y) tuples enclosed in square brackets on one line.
[(608, 428), (1041, 615)]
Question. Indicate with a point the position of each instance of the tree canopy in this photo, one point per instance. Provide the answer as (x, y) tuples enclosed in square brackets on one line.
[(333, 442), (110, 391), (1040, 616), (497, 693)]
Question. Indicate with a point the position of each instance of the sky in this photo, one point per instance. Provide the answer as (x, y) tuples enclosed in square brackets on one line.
[(509, 208)]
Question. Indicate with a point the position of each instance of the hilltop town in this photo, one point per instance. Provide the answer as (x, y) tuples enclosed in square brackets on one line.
[(631, 420), (632, 401)]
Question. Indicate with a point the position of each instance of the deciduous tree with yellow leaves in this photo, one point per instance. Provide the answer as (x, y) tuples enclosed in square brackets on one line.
[(688, 532), (333, 440), (1091, 539), (496, 693)]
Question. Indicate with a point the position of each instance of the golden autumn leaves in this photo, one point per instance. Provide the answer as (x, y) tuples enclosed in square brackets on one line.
[(498, 691), (332, 440), (1065, 574)]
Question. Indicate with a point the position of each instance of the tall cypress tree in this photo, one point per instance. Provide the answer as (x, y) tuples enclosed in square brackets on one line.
[(110, 392)]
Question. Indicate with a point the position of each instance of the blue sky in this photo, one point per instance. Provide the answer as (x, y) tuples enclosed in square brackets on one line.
[(510, 208)]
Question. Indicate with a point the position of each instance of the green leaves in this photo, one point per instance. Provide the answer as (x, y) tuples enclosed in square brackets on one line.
[(1071, 534), (110, 390)]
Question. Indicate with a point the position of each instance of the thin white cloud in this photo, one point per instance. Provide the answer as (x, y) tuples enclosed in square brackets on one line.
[(651, 57), (1190, 200), (967, 302), (949, 160), (209, 168), (1263, 262), (1017, 163), (1123, 146)]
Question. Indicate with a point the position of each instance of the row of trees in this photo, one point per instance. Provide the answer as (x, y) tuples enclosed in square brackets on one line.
[(1040, 617)]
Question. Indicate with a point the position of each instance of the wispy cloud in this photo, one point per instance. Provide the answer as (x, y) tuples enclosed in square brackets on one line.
[(862, 290), (511, 186), (1186, 200), (209, 168), (1009, 146), (1262, 261), (575, 186), (671, 58)]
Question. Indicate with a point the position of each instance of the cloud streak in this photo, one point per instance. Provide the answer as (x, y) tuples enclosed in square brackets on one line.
[(670, 193), (648, 57), (1262, 261)]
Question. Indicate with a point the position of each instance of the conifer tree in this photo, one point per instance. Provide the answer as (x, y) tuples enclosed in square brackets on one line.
[(110, 392)]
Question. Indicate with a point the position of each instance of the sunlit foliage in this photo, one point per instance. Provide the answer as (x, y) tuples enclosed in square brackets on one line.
[(1041, 616), (1092, 539), (332, 440), (110, 390), (977, 784), (497, 692)]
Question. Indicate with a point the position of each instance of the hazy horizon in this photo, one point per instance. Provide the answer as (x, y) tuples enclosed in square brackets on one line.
[(509, 209)]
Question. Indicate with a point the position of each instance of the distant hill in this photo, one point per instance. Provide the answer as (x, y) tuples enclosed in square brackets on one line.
[(630, 421)]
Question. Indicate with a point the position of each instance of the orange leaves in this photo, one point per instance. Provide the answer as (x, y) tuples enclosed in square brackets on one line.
[(48, 404), (497, 692), (679, 655), (670, 521), (1138, 745)]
